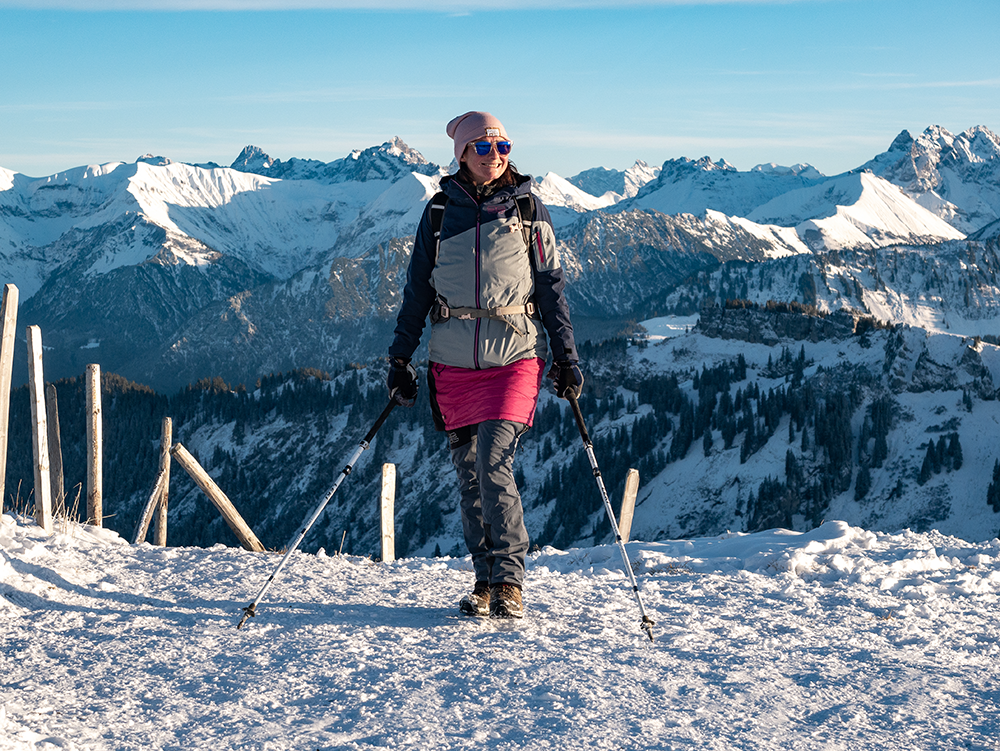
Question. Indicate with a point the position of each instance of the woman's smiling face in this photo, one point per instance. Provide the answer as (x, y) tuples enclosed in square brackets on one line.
[(485, 169)]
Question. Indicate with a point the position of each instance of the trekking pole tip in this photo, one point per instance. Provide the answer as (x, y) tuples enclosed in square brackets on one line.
[(248, 612), (647, 626)]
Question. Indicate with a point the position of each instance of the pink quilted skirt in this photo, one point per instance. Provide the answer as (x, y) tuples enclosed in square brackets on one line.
[(465, 396)]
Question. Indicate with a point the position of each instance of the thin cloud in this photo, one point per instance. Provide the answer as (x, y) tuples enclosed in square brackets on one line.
[(902, 85), (449, 6)]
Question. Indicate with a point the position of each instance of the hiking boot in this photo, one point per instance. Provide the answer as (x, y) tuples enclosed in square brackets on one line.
[(477, 603), (505, 601)]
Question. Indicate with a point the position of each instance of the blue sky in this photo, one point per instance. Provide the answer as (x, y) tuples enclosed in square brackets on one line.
[(830, 83)]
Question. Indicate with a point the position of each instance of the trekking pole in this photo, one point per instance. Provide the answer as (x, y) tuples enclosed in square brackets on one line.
[(251, 610), (647, 623)]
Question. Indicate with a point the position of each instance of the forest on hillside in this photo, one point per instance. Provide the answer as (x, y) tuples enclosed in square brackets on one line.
[(275, 447)]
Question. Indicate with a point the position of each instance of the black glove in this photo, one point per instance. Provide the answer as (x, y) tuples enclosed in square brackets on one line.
[(402, 381), (567, 378)]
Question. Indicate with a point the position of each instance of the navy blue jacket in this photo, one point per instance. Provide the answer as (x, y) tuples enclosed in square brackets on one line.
[(462, 213)]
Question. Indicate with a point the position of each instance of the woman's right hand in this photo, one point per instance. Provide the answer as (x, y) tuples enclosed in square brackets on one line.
[(402, 381)]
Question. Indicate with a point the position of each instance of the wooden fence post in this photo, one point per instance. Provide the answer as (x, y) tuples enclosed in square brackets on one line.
[(39, 431), (142, 527), (166, 440), (240, 528), (388, 512), (10, 294), (628, 503), (95, 448), (156, 506), (55, 452)]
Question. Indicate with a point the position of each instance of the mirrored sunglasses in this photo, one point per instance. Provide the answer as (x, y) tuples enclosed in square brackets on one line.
[(484, 147)]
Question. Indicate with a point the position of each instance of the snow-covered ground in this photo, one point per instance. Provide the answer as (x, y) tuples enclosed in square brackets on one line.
[(668, 327), (838, 638)]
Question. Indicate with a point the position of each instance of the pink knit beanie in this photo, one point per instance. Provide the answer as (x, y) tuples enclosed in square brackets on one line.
[(472, 126)]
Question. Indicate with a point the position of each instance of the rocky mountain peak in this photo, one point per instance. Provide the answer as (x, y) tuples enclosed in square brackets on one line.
[(901, 143), (390, 160), (252, 159), (155, 161)]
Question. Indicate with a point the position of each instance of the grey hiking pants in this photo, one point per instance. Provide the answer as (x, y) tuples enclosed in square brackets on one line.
[(492, 516)]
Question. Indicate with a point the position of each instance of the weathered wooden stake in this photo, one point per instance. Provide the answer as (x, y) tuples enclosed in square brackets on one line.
[(95, 448), (388, 513), (147, 512), (6, 365), (628, 503), (166, 440), (240, 528), (55, 452), (39, 431)]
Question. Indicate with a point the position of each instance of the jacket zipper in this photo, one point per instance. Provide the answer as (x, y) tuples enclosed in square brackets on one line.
[(479, 211), (479, 302)]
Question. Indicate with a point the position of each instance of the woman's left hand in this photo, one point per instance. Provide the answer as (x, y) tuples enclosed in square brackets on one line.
[(567, 378)]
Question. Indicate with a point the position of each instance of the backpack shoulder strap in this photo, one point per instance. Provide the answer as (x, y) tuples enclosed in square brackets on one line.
[(438, 202), (526, 212)]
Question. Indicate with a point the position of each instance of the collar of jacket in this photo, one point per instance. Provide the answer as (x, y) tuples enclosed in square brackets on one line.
[(462, 193)]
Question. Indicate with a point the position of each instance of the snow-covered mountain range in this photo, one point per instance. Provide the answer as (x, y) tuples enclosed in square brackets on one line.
[(216, 270), (881, 282)]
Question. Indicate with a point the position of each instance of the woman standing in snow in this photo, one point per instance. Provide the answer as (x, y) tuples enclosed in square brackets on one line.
[(485, 268)]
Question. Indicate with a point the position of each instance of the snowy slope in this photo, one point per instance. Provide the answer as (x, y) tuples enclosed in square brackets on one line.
[(928, 375), (691, 186), (274, 226), (956, 177), (35, 213), (599, 181), (558, 191), (854, 211), (945, 288), (839, 638), (779, 241)]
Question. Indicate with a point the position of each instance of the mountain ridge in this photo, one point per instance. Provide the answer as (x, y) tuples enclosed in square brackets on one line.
[(249, 231)]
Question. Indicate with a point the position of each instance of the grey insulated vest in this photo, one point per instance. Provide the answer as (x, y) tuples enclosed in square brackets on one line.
[(485, 271)]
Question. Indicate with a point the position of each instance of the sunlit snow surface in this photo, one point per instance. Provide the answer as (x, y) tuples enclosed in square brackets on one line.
[(834, 639)]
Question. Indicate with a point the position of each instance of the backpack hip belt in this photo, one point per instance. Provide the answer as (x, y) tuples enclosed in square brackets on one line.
[(441, 313)]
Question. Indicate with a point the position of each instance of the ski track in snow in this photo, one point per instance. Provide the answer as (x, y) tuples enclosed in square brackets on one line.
[(838, 638)]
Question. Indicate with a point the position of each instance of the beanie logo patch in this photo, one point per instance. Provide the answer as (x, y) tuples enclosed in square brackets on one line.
[(493, 132)]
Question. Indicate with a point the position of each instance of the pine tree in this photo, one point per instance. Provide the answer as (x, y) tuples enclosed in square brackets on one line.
[(955, 452), (941, 454), (863, 483), (927, 468), (749, 443), (993, 492), (729, 431)]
